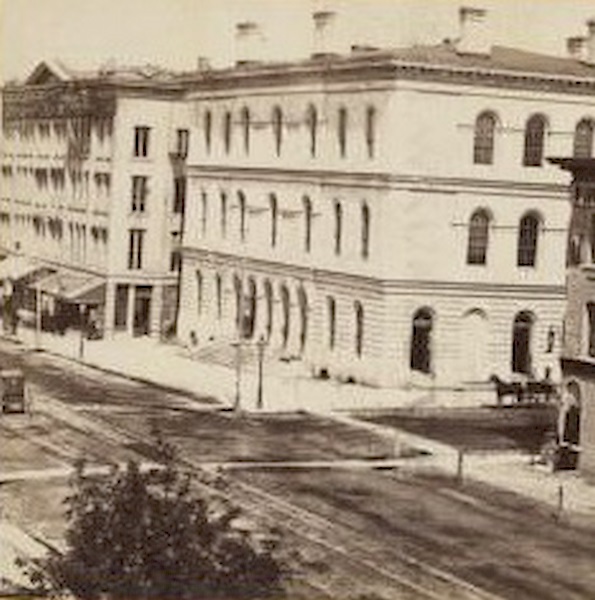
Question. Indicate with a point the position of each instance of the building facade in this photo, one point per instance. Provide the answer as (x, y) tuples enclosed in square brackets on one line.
[(93, 191), (385, 217)]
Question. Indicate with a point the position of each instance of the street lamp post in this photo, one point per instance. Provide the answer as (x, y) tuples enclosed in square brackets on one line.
[(261, 345)]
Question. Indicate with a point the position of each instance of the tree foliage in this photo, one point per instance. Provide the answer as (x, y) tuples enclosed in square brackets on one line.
[(137, 534)]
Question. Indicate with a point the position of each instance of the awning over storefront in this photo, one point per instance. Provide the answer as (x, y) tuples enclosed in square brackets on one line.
[(17, 267), (74, 286)]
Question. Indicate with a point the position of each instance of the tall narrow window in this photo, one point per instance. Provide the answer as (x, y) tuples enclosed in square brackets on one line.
[(286, 308), (483, 139), (219, 294), (227, 132), (307, 223), (534, 141), (274, 208), (204, 212), (245, 118), (370, 130), (278, 129), (583, 139), (139, 193), (208, 129), (365, 230), (359, 328), (199, 287), (135, 248), (338, 227), (591, 332), (179, 195), (521, 343), (303, 305), (182, 142), (421, 338), (312, 123), (141, 141), (223, 214), (268, 295), (237, 287), (242, 211), (332, 321), (342, 132), (249, 317), (527, 242), (477, 243)]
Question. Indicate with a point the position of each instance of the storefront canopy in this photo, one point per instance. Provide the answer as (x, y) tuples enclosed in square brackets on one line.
[(74, 286)]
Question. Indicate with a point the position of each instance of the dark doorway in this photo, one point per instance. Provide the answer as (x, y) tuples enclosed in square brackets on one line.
[(142, 311), (421, 352), (521, 343)]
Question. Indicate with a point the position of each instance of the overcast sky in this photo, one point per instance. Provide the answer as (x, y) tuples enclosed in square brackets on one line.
[(174, 33)]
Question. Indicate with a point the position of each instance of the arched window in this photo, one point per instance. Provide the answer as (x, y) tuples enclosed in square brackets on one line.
[(312, 122), (332, 321), (303, 305), (245, 118), (359, 328), (208, 129), (249, 310), (237, 288), (278, 129), (370, 130), (199, 287), (219, 293), (268, 295), (483, 140), (477, 244), (365, 230), (204, 212), (342, 132), (242, 211), (285, 307), (527, 243), (307, 223), (338, 227), (421, 338), (583, 139), (223, 214), (521, 343), (227, 132), (534, 141), (274, 207)]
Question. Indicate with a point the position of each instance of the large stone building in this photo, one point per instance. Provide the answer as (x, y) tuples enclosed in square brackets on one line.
[(387, 217), (92, 193)]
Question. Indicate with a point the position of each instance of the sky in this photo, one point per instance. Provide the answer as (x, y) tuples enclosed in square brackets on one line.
[(175, 33)]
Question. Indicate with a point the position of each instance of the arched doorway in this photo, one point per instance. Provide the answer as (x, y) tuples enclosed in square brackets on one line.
[(421, 341), (521, 343), (474, 344)]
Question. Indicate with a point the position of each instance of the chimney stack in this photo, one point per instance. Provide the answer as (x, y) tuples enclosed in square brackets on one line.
[(474, 38), (249, 44), (577, 47), (327, 41), (590, 51)]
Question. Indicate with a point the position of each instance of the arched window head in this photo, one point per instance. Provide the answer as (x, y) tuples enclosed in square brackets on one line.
[(208, 129), (583, 139), (483, 140), (342, 132), (227, 132), (242, 214), (527, 243), (307, 223), (338, 227), (312, 123), (521, 343), (421, 338), (359, 328), (534, 141), (370, 130), (278, 129), (274, 208), (245, 119), (365, 230), (477, 245)]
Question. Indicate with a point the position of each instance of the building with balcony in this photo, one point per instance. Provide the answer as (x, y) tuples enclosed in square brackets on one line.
[(386, 216), (93, 184)]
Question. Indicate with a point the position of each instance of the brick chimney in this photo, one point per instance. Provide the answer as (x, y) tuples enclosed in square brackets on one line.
[(577, 47), (249, 44), (474, 38)]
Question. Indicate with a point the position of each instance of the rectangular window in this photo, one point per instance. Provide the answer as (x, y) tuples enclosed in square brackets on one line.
[(135, 249), (182, 142), (139, 192), (179, 194), (121, 307), (141, 141)]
